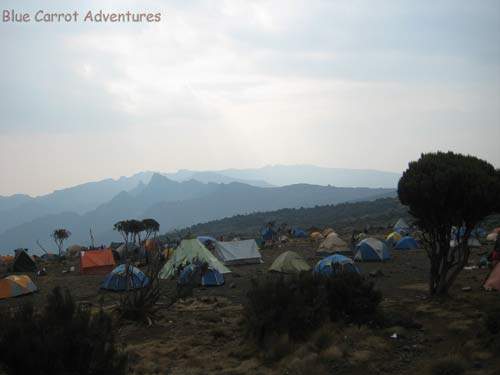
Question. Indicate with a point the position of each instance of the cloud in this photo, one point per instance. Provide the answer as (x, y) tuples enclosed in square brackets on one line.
[(244, 83)]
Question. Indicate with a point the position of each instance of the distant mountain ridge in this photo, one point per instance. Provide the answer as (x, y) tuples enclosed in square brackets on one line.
[(176, 204)]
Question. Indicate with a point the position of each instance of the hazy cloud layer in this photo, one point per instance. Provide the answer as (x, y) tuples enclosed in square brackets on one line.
[(221, 84)]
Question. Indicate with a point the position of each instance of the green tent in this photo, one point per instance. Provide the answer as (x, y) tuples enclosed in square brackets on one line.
[(289, 262), (187, 251)]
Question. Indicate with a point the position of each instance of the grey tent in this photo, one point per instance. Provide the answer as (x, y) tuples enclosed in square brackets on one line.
[(238, 252)]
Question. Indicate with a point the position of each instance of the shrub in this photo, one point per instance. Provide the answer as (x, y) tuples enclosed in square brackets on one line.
[(61, 339), (140, 304), (297, 305)]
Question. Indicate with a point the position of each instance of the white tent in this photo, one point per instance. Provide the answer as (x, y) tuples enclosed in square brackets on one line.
[(401, 225), (238, 252)]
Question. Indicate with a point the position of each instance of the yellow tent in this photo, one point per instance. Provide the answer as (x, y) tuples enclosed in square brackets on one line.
[(393, 237), (289, 262)]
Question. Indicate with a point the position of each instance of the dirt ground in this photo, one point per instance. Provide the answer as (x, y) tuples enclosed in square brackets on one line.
[(204, 334)]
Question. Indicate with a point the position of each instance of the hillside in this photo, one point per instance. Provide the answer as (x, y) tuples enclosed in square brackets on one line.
[(343, 217), (179, 204)]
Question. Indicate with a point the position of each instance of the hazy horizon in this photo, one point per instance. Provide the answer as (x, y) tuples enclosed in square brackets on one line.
[(115, 178), (237, 84)]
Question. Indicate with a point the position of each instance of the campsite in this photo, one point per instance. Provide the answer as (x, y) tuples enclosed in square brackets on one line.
[(203, 333), (264, 187)]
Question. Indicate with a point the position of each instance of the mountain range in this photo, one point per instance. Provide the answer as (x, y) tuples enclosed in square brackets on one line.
[(175, 200)]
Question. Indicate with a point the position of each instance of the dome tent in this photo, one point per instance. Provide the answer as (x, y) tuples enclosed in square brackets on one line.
[(393, 238), (331, 244), (16, 285), (211, 277), (316, 236), (406, 243), (289, 262), (186, 253), (118, 279), (401, 226), (371, 249), (334, 264), (299, 233)]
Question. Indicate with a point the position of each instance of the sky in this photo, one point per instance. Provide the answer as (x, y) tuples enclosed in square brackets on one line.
[(243, 84)]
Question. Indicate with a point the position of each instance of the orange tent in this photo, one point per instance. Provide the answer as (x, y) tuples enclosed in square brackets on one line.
[(16, 285), (493, 281), (96, 262), (150, 246)]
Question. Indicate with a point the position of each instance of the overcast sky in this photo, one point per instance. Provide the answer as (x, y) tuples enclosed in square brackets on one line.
[(235, 84)]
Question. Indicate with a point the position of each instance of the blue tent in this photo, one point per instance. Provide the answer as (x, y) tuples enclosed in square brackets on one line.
[(371, 249), (117, 279), (299, 233), (267, 234), (205, 239), (406, 243), (211, 277), (334, 264)]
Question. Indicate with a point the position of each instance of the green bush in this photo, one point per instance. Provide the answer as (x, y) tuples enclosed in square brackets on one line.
[(61, 339), (297, 305)]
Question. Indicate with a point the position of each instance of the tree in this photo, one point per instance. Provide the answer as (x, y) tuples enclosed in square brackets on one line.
[(136, 227), (442, 191), (59, 236), (123, 227), (151, 226)]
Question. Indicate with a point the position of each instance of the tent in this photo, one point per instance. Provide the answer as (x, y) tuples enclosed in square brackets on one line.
[(401, 226), (406, 243), (393, 238), (186, 253), (299, 233), (23, 262), (316, 236), (371, 249), (289, 262), (492, 236), (117, 279), (211, 277), (206, 239), (267, 234), (327, 231), (334, 264), (331, 244), (493, 280), (16, 285), (96, 262), (238, 252), (360, 236), (131, 249), (151, 246)]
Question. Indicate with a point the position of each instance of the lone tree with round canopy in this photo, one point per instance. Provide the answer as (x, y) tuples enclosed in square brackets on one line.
[(445, 190), (60, 235)]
